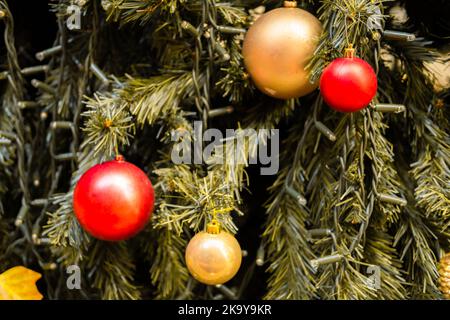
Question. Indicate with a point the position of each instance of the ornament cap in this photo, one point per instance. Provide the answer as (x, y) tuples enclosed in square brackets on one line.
[(107, 123), (290, 4), (349, 52), (120, 158), (213, 227)]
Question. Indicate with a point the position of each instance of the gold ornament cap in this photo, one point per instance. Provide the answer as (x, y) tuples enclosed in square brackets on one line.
[(349, 52), (213, 227), (290, 4), (119, 158)]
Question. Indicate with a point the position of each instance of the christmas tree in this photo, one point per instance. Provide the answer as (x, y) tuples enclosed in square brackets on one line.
[(329, 173)]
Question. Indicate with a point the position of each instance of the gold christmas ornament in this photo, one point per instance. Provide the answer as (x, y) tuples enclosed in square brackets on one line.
[(277, 48), (213, 257), (444, 276)]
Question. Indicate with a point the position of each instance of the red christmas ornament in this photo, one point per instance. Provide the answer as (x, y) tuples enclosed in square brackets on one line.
[(348, 84), (113, 200)]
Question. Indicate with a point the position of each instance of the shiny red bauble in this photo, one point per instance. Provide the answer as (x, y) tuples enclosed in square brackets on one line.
[(113, 200), (348, 84)]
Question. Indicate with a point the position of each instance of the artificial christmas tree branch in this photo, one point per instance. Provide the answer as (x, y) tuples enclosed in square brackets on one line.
[(287, 217)]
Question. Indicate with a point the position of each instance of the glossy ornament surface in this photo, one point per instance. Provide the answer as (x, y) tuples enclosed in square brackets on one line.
[(278, 47), (113, 200), (213, 258), (348, 84)]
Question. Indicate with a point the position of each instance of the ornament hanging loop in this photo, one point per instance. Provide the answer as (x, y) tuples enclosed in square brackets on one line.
[(223, 207)]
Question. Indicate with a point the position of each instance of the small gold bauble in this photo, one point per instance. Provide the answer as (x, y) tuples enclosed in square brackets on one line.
[(444, 276), (278, 47), (213, 258)]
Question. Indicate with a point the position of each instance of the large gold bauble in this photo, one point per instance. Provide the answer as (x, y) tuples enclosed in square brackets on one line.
[(213, 258), (277, 48)]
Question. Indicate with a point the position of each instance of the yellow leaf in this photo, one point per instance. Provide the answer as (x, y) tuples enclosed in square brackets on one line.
[(19, 283)]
